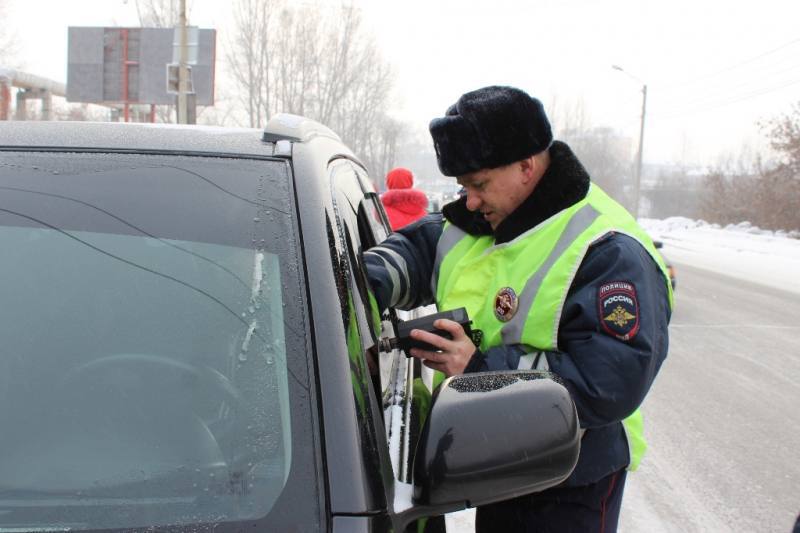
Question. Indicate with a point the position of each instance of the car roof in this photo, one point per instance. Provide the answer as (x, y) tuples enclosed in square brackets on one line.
[(274, 140), (134, 137)]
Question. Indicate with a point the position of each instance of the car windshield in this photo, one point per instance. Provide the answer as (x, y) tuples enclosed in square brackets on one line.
[(153, 359)]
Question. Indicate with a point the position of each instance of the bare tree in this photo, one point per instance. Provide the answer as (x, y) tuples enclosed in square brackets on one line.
[(159, 13), (82, 112), (317, 61), (568, 116), (604, 152), (249, 55), (783, 133), (781, 185), (767, 197), (730, 198), (606, 155), (8, 39), (674, 193)]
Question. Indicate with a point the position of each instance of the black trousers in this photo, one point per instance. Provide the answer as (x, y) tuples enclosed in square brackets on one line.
[(588, 509)]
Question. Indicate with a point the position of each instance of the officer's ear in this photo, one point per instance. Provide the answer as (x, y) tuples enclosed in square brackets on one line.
[(534, 167), (528, 169)]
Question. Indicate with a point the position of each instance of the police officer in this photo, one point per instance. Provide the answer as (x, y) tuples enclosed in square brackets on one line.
[(556, 274)]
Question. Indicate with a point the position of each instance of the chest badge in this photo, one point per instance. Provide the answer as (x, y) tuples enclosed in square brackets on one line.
[(505, 304)]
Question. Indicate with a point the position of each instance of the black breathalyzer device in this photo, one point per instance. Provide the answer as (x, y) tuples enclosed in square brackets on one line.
[(403, 328)]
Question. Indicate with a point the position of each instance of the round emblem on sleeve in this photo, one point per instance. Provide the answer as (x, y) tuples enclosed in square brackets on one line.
[(505, 304)]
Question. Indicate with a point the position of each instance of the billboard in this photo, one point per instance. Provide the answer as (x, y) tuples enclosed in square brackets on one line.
[(132, 65)]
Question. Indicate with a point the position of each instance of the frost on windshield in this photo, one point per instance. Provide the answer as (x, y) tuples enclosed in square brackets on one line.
[(255, 294)]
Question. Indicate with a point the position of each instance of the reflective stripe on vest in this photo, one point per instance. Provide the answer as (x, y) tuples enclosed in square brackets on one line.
[(450, 236), (512, 331), (539, 266)]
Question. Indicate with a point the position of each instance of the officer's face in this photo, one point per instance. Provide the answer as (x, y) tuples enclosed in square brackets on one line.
[(497, 192)]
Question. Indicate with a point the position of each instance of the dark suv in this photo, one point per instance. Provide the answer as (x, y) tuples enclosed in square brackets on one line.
[(188, 344)]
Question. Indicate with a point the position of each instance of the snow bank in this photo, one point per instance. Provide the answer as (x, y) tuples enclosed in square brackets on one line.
[(739, 250)]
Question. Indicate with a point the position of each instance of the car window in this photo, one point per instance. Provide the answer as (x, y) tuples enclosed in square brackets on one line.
[(362, 321), (357, 231), (405, 399), (376, 216), (373, 213), (153, 365)]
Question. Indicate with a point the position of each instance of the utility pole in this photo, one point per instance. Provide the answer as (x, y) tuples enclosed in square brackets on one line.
[(638, 183), (639, 156), (183, 69)]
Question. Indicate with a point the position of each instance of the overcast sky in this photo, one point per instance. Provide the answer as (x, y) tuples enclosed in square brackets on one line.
[(713, 68)]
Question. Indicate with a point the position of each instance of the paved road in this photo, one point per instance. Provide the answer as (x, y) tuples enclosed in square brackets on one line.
[(723, 417)]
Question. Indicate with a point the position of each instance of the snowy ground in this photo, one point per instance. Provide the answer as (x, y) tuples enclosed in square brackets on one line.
[(740, 251)]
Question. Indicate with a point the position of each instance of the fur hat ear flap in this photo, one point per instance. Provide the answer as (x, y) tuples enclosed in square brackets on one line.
[(489, 128)]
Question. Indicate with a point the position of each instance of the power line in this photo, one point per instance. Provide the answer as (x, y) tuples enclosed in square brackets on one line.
[(753, 83), (735, 66), (747, 96)]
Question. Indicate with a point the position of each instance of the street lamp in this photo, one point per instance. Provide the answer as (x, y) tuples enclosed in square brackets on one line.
[(641, 141)]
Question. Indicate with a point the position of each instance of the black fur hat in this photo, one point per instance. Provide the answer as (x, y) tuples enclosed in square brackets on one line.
[(489, 128)]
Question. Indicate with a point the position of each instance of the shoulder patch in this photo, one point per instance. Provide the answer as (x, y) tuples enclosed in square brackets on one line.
[(618, 309)]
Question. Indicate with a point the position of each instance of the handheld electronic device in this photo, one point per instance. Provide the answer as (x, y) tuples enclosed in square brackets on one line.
[(403, 328)]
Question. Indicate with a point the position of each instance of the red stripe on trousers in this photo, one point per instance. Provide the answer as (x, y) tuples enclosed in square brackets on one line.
[(603, 505)]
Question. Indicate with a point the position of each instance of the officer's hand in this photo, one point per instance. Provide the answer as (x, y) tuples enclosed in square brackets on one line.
[(454, 355)]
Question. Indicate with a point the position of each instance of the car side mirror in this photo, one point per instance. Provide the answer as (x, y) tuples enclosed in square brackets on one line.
[(492, 436), (658, 244)]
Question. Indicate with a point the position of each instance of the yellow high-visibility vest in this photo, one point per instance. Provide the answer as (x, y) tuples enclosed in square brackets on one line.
[(536, 269)]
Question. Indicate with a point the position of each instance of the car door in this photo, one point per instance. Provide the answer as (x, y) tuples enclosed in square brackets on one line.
[(400, 384), (405, 383)]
